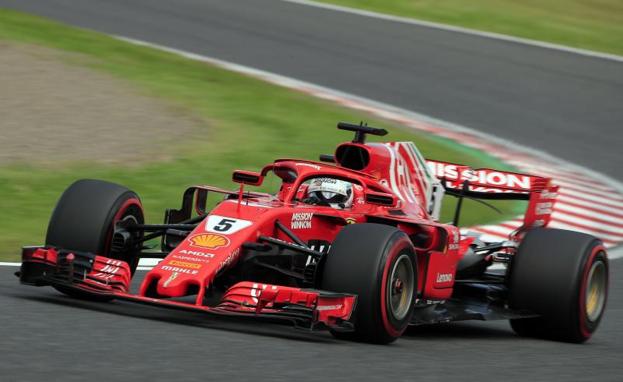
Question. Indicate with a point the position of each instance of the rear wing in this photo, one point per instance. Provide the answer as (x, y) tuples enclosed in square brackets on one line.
[(486, 183)]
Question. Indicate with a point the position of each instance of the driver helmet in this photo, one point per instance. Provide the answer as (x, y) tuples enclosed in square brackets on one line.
[(330, 192)]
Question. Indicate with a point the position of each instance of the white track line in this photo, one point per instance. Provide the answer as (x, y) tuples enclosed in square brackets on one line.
[(450, 28)]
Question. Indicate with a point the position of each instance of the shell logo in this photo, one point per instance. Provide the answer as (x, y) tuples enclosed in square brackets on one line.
[(210, 241)]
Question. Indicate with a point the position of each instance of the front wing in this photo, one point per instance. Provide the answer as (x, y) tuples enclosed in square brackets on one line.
[(103, 278)]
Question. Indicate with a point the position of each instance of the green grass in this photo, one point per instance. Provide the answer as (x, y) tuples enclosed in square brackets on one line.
[(589, 24), (246, 123)]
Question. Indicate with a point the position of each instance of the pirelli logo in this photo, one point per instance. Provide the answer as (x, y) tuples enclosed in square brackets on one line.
[(184, 264)]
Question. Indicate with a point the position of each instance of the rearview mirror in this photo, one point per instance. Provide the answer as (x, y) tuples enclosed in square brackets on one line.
[(247, 177)]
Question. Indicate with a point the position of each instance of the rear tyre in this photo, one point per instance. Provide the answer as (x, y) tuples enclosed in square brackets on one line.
[(562, 276), (84, 219), (377, 263)]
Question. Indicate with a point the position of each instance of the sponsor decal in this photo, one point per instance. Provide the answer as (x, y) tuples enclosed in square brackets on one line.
[(184, 264), (209, 241), (179, 270), (197, 256), (453, 247), (322, 181), (453, 243), (171, 278), (546, 194), (544, 208), (189, 258), (485, 177), (301, 220), (225, 225), (351, 221), (229, 259), (196, 253), (444, 277), (400, 174)]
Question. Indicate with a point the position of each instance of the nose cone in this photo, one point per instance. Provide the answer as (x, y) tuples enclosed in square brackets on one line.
[(176, 277)]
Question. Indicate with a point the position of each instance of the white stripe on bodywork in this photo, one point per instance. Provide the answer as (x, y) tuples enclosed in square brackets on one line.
[(392, 169), (420, 176)]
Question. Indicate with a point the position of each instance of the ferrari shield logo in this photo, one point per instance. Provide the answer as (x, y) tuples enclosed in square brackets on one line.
[(171, 278)]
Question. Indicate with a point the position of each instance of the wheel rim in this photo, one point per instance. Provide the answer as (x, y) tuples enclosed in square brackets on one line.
[(595, 297), (401, 287)]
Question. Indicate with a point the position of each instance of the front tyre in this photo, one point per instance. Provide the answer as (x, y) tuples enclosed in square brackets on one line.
[(377, 263), (562, 276), (84, 219)]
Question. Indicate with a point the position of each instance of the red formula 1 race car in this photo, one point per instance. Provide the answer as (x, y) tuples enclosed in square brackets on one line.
[(351, 244)]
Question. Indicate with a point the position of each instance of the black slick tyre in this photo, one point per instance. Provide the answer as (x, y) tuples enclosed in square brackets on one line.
[(377, 263), (84, 219), (563, 277)]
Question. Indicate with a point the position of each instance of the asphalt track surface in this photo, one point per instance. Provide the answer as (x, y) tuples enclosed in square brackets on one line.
[(45, 334), (563, 103)]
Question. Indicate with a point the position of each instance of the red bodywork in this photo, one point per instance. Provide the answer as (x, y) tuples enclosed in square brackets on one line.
[(393, 185)]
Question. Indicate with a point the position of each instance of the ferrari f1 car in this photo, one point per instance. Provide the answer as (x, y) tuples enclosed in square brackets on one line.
[(351, 243)]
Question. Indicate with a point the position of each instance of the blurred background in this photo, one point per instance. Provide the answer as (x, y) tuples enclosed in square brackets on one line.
[(77, 102)]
